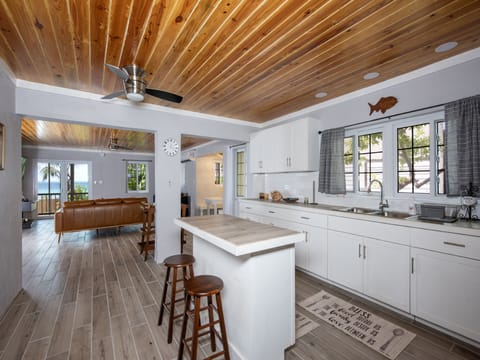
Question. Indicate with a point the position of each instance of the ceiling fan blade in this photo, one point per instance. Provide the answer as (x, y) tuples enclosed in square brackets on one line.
[(114, 95), (164, 95), (122, 74)]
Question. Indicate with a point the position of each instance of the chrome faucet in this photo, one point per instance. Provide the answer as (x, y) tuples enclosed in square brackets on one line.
[(383, 204)]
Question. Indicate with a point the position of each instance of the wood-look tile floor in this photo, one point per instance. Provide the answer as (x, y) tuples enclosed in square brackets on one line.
[(93, 297)]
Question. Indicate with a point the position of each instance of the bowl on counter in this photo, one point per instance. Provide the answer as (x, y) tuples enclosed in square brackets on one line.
[(290, 199)]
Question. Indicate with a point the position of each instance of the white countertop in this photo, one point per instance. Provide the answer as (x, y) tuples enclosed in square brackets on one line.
[(238, 236), (463, 227)]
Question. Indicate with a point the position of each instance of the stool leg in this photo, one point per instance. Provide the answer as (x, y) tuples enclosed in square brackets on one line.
[(172, 305), (196, 325), (213, 345), (164, 296), (190, 267), (184, 327), (218, 298)]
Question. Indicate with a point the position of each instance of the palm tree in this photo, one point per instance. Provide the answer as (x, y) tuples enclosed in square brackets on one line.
[(50, 171)]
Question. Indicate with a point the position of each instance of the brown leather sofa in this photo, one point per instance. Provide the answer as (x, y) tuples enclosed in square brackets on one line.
[(97, 214)]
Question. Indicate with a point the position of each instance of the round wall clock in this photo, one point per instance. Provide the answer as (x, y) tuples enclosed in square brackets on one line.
[(170, 147)]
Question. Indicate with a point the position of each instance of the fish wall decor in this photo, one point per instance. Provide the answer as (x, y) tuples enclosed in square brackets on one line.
[(383, 104)]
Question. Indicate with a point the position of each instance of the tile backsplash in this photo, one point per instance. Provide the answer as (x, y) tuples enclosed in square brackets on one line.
[(301, 185)]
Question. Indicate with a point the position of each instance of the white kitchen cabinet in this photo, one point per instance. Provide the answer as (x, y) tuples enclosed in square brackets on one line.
[(255, 151), (446, 291), (377, 268), (285, 148), (345, 263), (386, 272)]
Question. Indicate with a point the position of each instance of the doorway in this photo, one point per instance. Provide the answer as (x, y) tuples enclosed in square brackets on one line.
[(59, 181)]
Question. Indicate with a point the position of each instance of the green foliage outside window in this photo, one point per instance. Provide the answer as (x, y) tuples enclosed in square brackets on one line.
[(137, 177)]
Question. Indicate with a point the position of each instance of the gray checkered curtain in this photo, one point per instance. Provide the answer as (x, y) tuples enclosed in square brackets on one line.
[(462, 144), (331, 174)]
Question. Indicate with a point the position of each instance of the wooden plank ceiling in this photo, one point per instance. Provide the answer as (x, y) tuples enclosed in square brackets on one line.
[(59, 134), (245, 59)]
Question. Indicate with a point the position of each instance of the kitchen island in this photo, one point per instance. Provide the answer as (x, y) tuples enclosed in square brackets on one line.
[(257, 264)]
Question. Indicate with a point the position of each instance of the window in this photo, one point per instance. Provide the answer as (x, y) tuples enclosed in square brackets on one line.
[(348, 161), (137, 176), (413, 159), (440, 158), (370, 160), (241, 173), (218, 173)]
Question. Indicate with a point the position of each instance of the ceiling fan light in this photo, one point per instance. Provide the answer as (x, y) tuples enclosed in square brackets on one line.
[(137, 97), (321, 94)]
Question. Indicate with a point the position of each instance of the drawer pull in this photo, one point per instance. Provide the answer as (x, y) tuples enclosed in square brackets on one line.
[(453, 244), (304, 218), (247, 207), (271, 212)]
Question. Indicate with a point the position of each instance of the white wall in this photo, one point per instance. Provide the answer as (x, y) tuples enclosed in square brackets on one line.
[(46, 102), (10, 198), (448, 84), (108, 170)]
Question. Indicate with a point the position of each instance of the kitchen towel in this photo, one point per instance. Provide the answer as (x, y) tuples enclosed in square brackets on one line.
[(375, 332)]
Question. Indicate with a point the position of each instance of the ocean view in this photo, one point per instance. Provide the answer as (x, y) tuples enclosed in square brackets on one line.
[(55, 186)]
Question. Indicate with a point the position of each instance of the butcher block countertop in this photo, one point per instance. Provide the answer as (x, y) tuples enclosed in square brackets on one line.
[(239, 236)]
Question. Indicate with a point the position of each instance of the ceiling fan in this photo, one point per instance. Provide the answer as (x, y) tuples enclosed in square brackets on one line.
[(135, 86), (114, 145)]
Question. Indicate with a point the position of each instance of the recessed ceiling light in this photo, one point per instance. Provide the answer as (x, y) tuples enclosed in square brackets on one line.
[(371, 75), (446, 47), (321, 94)]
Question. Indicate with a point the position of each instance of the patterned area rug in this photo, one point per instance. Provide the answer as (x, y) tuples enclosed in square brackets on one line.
[(375, 332), (303, 325)]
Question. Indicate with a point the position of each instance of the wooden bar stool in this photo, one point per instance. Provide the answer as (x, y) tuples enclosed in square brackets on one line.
[(175, 262), (148, 229), (196, 288)]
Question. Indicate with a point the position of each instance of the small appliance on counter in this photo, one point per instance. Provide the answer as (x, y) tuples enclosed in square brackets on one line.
[(437, 212)]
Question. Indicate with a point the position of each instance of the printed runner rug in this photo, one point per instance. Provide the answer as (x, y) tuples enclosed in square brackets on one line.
[(375, 332), (303, 324)]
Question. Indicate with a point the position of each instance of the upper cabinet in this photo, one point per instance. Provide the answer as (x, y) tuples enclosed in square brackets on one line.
[(291, 147)]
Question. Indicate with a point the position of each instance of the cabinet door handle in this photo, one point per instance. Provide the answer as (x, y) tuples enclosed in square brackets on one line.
[(306, 235), (454, 244), (413, 265), (364, 252), (360, 251), (247, 207), (304, 218)]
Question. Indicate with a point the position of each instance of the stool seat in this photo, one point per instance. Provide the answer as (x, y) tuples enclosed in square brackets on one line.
[(180, 260), (196, 288), (203, 285)]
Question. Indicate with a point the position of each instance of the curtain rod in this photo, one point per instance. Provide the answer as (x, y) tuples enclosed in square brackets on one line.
[(390, 116), (232, 146), (137, 160)]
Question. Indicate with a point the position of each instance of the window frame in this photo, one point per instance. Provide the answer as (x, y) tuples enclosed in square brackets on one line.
[(355, 133), (245, 162), (147, 175), (432, 119)]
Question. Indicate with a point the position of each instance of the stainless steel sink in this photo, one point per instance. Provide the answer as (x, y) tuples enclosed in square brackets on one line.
[(388, 214), (357, 210)]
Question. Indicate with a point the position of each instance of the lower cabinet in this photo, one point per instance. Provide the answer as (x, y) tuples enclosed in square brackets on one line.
[(377, 268), (345, 263), (446, 291), (311, 254)]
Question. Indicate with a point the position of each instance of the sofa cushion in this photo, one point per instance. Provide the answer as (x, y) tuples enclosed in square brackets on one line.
[(70, 204), (134, 200), (108, 201)]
